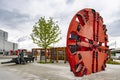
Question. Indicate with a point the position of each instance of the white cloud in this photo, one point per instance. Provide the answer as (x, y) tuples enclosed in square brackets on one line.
[(61, 10)]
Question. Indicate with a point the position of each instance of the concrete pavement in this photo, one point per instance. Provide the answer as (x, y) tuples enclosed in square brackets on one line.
[(56, 71)]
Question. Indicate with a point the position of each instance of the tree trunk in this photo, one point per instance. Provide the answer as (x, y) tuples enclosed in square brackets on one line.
[(45, 55), (40, 56)]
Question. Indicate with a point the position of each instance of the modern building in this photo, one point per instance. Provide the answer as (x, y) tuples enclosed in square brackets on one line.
[(5, 44)]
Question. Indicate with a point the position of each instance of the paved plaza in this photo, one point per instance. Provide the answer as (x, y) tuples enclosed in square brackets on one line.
[(56, 71)]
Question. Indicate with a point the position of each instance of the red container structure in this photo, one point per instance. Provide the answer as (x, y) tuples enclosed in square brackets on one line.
[(87, 43)]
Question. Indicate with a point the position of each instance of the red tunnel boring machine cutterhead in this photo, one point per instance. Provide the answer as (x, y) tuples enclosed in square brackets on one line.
[(87, 47)]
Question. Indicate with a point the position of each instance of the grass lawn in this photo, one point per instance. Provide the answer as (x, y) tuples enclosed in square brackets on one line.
[(113, 62)]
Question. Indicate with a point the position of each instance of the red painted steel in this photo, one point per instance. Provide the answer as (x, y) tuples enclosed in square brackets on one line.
[(87, 43)]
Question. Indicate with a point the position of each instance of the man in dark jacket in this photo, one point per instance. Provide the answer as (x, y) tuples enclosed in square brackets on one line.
[(21, 57)]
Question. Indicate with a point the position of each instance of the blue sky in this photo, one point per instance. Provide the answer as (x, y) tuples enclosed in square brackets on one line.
[(17, 17)]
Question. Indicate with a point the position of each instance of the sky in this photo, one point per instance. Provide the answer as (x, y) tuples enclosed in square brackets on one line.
[(18, 17)]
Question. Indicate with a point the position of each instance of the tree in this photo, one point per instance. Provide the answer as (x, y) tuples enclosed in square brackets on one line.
[(45, 33)]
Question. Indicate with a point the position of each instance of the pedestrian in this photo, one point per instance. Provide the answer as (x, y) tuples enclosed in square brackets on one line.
[(3, 52), (21, 57)]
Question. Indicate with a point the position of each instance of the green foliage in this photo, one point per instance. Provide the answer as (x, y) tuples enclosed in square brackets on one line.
[(46, 62), (45, 32), (113, 62), (113, 53)]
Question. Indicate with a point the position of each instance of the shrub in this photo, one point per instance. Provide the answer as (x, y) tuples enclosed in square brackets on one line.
[(113, 62)]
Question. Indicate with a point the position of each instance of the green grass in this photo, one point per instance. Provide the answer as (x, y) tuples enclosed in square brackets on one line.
[(46, 62), (113, 62)]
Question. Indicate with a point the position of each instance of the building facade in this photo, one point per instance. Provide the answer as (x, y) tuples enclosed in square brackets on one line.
[(5, 44)]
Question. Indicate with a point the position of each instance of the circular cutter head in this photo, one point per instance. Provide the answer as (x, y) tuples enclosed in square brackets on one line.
[(87, 43)]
